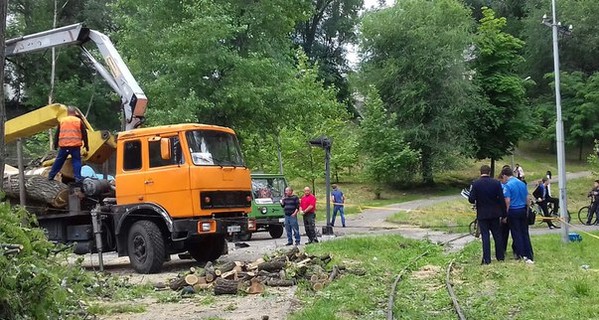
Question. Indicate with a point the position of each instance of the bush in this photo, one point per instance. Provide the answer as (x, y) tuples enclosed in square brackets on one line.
[(36, 283)]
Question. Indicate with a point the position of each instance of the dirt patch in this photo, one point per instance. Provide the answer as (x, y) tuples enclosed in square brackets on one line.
[(275, 303), (426, 272)]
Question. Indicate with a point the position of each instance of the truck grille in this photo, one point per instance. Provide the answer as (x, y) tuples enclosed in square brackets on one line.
[(225, 199)]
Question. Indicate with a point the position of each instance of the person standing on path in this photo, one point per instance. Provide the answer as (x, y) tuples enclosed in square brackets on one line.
[(338, 203), (516, 201), (70, 136), (519, 173), (290, 204), (308, 210), (487, 195)]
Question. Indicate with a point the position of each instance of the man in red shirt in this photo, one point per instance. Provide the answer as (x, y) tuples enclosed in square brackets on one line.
[(308, 210)]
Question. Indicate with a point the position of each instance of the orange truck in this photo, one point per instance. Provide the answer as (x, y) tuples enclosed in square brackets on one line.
[(177, 188)]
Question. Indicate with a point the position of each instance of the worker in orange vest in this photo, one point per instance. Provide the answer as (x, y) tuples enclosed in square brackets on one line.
[(70, 137)]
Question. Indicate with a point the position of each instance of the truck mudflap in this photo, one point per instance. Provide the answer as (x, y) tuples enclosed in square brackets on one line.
[(185, 228)]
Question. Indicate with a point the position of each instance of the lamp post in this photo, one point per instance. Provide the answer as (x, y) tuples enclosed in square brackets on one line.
[(326, 143), (559, 124)]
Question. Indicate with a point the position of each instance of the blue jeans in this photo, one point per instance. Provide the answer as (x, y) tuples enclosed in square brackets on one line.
[(63, 152), (341, 214), (518, 223), (291, 226)]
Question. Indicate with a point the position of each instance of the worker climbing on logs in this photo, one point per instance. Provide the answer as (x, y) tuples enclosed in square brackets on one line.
[(70, 137)]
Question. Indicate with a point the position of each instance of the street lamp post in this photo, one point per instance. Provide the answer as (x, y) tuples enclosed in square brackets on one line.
[(559, 124), (326, 143)]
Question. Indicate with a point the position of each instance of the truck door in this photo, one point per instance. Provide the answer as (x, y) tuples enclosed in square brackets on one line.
[(167, 180), (130, 180)]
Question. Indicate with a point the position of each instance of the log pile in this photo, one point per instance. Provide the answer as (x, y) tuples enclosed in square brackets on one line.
[(282, 270)]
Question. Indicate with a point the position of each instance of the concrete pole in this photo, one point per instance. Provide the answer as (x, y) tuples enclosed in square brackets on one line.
[(559, 125), (327, 169)]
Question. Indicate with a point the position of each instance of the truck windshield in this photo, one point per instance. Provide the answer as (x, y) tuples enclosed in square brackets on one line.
[(214, 148), (268, 190)]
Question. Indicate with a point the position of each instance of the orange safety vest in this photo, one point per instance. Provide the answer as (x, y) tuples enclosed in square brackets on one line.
[(70, 132)]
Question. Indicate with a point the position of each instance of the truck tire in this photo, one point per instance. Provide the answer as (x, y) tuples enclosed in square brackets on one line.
[(146, 248), (207, 248), (275, 231)]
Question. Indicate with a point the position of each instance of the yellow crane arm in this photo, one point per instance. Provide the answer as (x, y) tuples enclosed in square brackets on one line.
[(102, 144)]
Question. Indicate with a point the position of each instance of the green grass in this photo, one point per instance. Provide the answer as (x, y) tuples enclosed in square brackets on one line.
[(361, 297), (556, 287), (456, 215)]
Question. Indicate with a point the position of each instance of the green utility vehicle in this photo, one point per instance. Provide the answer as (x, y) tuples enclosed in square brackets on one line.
[(267, 191)]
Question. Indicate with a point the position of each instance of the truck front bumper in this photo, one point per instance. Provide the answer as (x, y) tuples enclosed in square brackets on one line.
[(185, 228)]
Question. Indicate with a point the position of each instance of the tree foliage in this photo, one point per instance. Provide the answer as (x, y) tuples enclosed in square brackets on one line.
[(499, 120), (76, 83), (389, 159), (324, 36), (415, 57)]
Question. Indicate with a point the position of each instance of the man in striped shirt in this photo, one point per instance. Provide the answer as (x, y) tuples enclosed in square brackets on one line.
[(290, 204)]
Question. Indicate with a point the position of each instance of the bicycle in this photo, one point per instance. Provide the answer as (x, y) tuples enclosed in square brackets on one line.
[(584, 212), (554, 214), (473, 226)]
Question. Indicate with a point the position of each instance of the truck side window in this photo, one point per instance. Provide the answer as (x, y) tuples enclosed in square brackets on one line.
[(132, 155), (155, 158)]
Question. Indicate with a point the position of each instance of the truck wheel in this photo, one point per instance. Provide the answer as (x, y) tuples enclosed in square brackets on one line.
[(208, 248), (275, 231), (146, 248)]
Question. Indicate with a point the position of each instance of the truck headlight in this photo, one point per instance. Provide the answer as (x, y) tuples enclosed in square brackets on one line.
[(205, 227), (263, 210)]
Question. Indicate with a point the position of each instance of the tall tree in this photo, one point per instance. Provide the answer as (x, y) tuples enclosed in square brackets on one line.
[(76, 83), (499, 120), (414, 56), (325, 35), (390, 160)]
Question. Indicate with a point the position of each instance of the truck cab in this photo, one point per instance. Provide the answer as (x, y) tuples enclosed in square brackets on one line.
[(267, 191)]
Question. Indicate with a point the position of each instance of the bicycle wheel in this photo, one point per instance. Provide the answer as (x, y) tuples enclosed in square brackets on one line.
[(583, 216), (472, 228)]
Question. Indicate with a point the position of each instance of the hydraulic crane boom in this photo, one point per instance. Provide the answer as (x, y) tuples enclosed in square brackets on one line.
[(118, 76)]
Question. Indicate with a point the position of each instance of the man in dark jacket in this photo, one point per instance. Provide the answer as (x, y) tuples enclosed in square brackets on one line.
[(487, 195)]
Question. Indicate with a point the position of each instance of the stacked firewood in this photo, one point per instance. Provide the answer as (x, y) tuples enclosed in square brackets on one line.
[(282, 270)]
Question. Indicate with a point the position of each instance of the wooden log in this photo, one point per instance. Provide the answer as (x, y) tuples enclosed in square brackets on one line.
[(317, 286), (244, 276), (325, 259), (255, 287), (177, 284), (38, 189), (209, 272), (291, 254), (254, 265), (264, 273), (272, 282), (230, 275), (272, 266), (334, 273), (224, 286), (202, 286), (191, 279), (225, 268), (304, 262)]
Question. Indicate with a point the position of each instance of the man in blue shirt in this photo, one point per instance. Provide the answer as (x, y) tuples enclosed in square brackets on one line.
[(516, 201), (338, 202)]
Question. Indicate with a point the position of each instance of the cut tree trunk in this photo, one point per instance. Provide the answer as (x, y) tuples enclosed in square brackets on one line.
[(272, 266), (38, 189), (225, 268), (280, 283), (223, 286)]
